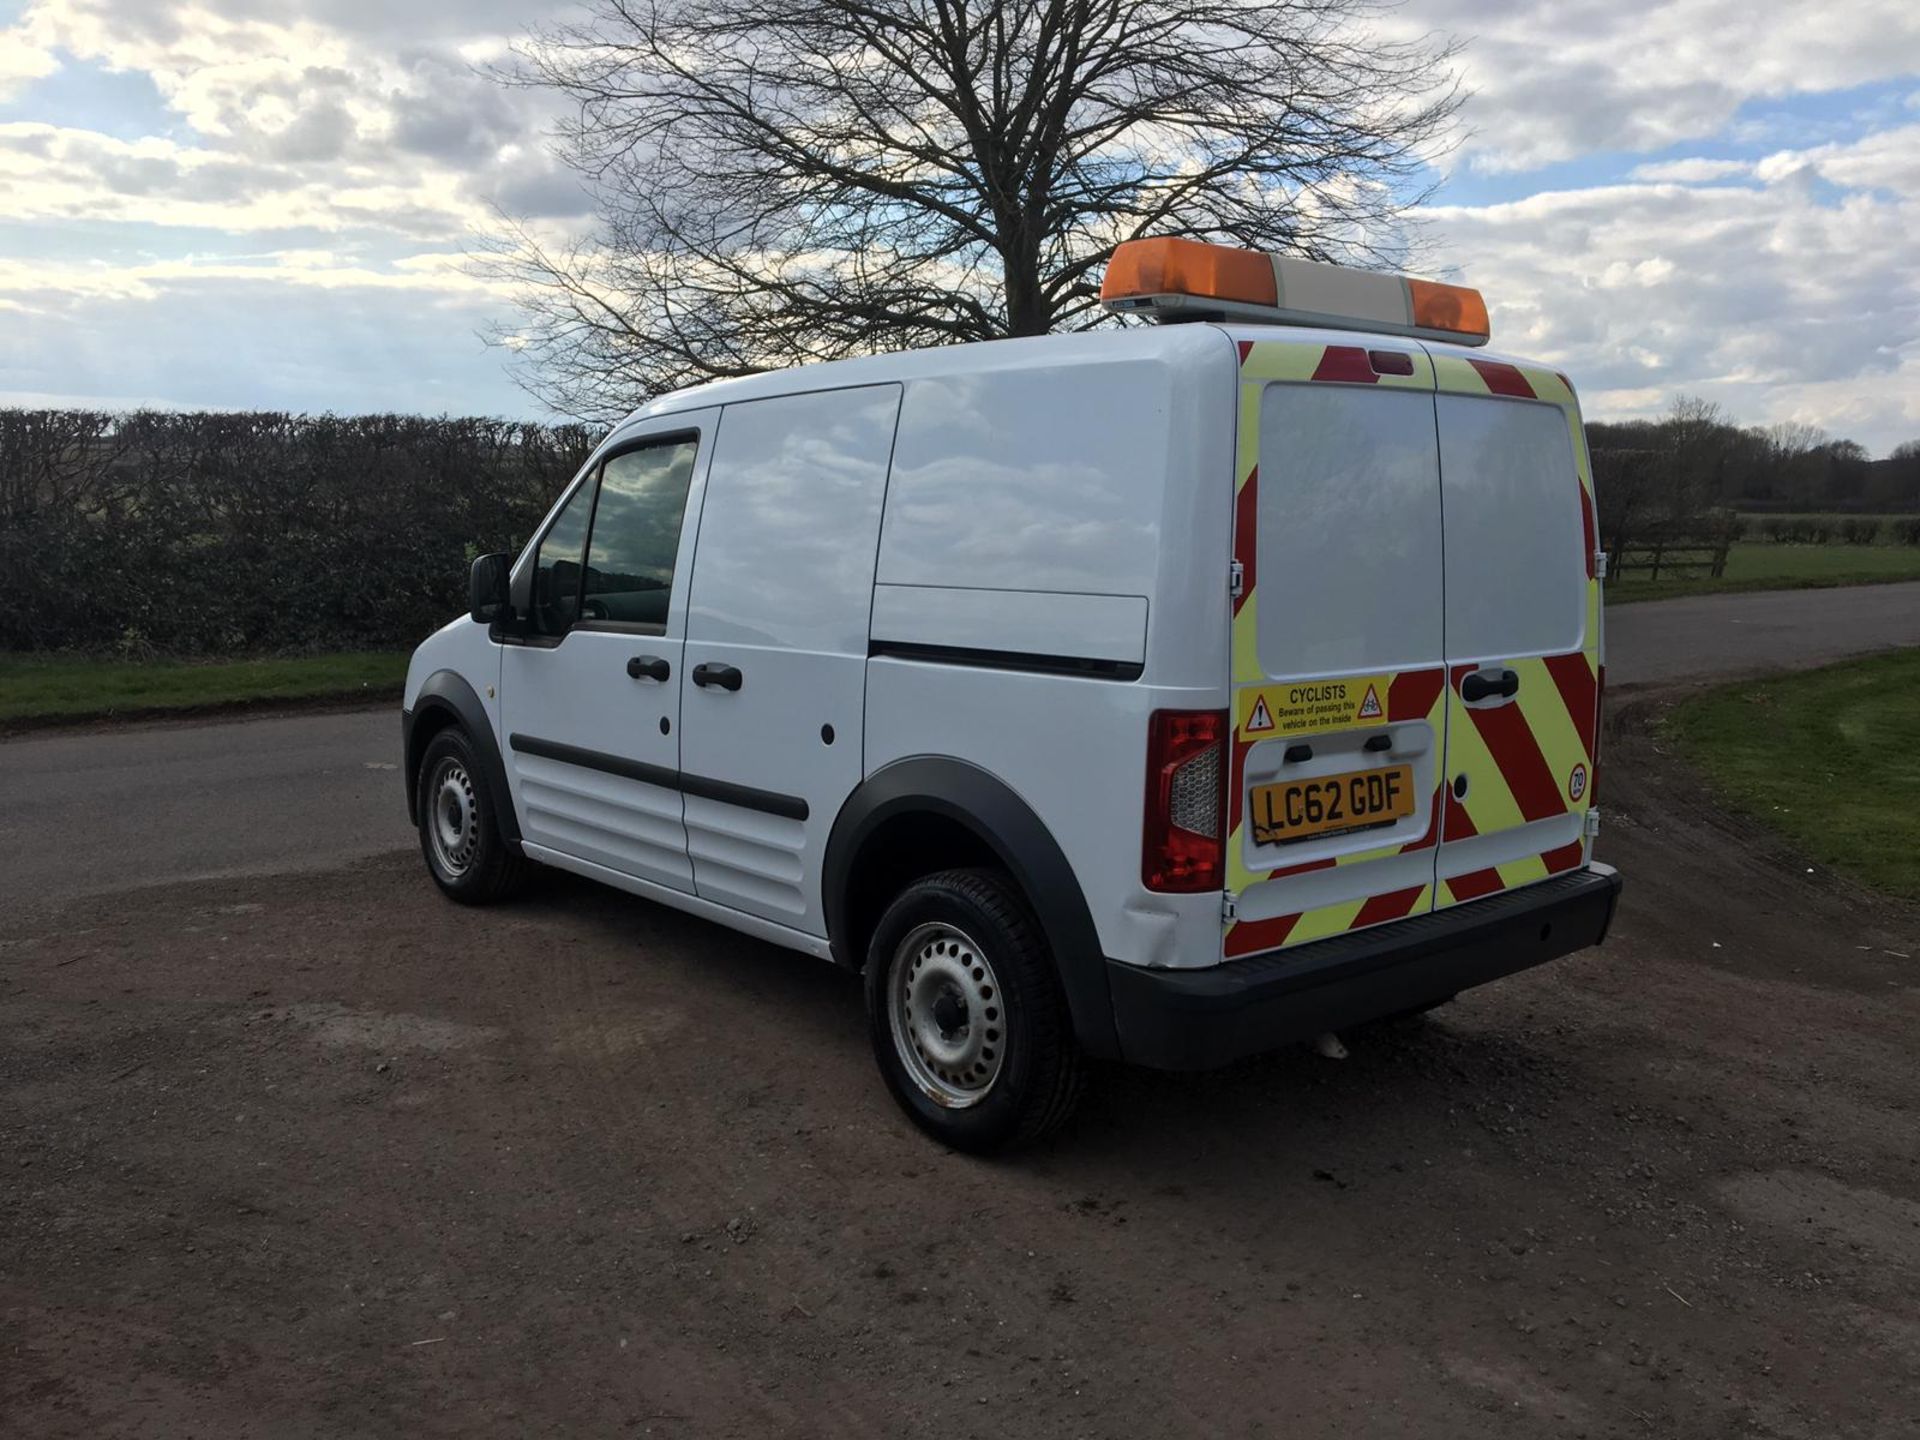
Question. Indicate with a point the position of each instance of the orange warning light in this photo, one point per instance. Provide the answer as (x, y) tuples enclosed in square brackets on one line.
[(1190, 279), (1448, 307), (1167, 266)]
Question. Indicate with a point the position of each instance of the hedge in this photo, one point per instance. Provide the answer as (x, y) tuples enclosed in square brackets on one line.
[(202, 534)]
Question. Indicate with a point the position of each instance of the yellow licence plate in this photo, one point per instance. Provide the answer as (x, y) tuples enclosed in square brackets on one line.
[(1331, 804)]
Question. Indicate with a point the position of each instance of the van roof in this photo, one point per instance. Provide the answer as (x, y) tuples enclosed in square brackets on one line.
[(1090, 347)]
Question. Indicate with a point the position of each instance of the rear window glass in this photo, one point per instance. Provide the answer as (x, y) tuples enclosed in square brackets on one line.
[(1348, 559), (1516, 575)]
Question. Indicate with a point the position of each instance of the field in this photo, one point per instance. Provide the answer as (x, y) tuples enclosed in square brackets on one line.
[(1762, 565), (36, 689), (1812, 755)]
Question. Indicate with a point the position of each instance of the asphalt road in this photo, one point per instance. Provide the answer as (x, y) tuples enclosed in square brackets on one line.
[(1715, 637), (94, 811)]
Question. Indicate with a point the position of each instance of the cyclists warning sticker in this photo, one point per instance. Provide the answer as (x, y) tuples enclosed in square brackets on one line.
[(1301, 707)]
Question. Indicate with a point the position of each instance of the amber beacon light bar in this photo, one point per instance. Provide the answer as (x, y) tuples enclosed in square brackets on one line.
[(1191, 280)]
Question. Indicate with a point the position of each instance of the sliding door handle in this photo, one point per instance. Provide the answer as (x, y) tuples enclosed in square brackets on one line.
[(725, 676)]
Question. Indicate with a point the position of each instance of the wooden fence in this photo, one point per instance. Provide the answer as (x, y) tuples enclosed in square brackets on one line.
[(1681, 552)]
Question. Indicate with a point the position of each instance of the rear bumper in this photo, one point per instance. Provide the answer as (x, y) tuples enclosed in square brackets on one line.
[(1197, 1019)]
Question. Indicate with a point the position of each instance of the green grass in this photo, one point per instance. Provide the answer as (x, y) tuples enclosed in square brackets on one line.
[(1825, 756), (41, 689), (1759, 565)]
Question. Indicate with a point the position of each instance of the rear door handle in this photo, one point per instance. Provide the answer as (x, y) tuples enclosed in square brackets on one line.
[(1479, 686), (651, 667), (725, 676)]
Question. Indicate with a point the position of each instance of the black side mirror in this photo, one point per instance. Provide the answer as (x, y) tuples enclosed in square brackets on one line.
[(487, 588)]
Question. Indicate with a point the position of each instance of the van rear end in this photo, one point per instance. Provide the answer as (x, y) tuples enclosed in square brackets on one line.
[(1415, 655)]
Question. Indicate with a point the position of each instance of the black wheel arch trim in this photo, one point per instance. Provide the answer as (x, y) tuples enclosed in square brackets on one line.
[(1007, 825), (447, 691)]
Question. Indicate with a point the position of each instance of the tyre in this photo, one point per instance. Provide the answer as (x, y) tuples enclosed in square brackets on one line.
[(459, 833), (966, 1014)]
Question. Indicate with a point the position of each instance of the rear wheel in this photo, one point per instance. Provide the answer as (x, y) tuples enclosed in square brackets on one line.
[(966, 1015), (459, 834)]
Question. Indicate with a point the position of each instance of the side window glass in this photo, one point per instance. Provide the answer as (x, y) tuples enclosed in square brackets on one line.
[(556, 568), (636, 534)]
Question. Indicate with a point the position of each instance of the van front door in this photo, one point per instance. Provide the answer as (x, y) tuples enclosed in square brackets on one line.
[(590, 695), (1338, 661), (773, 694), (1523, 621)]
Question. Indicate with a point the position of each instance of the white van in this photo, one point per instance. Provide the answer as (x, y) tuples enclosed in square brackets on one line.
[(1163, 694)]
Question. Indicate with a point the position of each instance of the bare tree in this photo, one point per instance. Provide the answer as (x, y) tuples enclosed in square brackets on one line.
[(778, 183)]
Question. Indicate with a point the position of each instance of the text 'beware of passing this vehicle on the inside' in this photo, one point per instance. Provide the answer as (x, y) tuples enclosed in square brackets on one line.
[(1164, 694)]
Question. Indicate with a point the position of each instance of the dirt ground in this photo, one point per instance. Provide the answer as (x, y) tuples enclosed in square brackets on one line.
[(327, 1156)]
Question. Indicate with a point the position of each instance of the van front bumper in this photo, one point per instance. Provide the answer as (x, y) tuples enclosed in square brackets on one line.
[(1197, 1019)]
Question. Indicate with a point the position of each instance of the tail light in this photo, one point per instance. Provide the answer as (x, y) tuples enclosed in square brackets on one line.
[(1183, 849)]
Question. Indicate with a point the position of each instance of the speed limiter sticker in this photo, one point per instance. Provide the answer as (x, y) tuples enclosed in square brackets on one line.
[(1299, 707)]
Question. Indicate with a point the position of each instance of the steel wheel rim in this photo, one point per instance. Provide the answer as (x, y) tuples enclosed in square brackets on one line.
[(947, 1015), (453, 818)]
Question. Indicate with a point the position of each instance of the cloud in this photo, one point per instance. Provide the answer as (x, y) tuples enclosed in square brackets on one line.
[(377, 88), (44, 287), (283, 218), (1692, 172), (251, 340), (52, 173), (1555, 79), (1768, 298), (24, 58), (1886, 160)]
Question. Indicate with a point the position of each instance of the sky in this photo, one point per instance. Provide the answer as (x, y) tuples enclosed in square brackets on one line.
[(269, 203)]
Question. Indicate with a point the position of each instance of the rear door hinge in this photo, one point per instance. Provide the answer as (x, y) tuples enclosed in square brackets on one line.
[(1591, 826), (1229, 907), (1599, 564), (1236, 580)]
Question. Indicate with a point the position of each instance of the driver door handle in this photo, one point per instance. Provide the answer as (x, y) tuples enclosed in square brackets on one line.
[(651, 667), (725, 676), (1479, 686)]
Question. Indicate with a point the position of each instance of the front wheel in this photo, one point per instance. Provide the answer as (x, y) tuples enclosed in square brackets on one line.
[(459, 833), (966, 1015)]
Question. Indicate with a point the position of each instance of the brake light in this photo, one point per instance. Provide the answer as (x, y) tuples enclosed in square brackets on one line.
[(1183, 849)]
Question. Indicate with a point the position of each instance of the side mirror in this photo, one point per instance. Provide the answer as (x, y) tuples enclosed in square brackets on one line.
[(487, 588)]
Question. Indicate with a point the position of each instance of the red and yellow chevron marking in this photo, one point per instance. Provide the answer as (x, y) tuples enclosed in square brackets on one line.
[(1521, 760), (1412, 695), (1512, 763)]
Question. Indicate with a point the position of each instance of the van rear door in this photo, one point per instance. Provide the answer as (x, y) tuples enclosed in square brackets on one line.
[(1338, 641), (1522, 626)]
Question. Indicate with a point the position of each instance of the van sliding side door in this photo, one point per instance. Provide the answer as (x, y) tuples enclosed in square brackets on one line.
[(773, 694)]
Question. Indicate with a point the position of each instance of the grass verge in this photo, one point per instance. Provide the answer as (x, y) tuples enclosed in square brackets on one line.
[(1761, 566), (50, 689), (1820, 756)]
